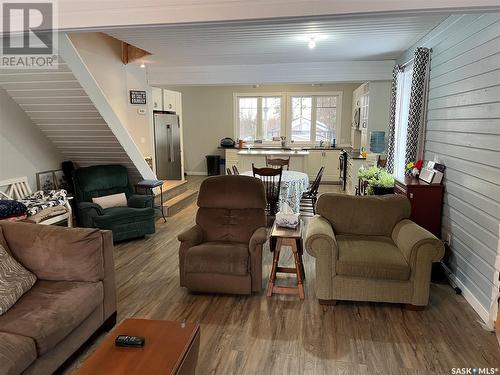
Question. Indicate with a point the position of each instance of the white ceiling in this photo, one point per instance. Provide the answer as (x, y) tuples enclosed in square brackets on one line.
[(354, 38)]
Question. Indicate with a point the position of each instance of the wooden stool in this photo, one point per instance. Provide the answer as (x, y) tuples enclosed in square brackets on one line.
[(292, 238)]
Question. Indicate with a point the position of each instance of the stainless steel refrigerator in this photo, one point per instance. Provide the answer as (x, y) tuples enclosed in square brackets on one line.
[(167, 145)]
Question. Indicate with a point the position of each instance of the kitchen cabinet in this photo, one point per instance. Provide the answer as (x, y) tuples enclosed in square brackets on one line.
[(426, 202), (324, 158), (371, 104), (157, 96), (171, 101)]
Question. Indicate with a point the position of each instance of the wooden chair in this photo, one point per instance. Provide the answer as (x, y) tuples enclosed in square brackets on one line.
[(19, 188), (278, 163), (228, 171), (235, 170), (271, 177), (310, 196)]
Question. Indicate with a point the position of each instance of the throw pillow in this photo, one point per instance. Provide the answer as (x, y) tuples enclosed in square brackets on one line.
[(10, 208), (15, 280), (114, 200)]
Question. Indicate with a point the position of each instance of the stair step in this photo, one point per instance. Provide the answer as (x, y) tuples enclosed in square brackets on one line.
[(179, 202), (171, 189)]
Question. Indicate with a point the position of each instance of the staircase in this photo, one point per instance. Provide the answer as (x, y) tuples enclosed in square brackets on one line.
[(62, 108)]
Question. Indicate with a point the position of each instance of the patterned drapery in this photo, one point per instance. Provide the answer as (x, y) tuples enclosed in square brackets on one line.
[(392, 118), (417, 102)]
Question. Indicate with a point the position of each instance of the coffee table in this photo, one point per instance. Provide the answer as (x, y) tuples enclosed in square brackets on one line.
[(170, 348)]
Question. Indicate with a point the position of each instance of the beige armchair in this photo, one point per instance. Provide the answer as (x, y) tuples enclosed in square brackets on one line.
[(366, 249), (222, 253)]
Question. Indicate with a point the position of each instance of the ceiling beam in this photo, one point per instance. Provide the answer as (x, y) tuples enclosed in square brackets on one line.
[(77, 15), (324, 72)]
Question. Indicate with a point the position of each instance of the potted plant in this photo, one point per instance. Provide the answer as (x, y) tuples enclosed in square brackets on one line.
[(384, 184), (379, 181)]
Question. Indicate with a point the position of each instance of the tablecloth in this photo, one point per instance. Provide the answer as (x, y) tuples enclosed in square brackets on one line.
[(293, 184)]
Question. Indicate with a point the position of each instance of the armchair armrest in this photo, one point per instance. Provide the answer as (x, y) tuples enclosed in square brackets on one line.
[(92, 209), (320, 239), (412, 240), (191, 237), (259, 237), (140, 201), (87, 211)]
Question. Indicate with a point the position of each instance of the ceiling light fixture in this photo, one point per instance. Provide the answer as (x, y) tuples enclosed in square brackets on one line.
[(143, 65), (312, 42)]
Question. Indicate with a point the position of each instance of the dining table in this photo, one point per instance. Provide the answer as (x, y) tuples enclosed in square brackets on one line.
[(293, 185)]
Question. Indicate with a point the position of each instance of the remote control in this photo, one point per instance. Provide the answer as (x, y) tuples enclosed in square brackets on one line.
[(130, 341)]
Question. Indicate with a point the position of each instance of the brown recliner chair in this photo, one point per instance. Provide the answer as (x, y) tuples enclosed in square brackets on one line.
[(222, 253)]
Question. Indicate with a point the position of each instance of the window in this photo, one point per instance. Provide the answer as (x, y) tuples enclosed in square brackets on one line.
[(314, 118), (401, 126), (300, 117), (259, 117)]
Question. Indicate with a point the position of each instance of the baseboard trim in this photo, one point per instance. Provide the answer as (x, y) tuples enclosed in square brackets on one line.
[(193, 173), (469, 297)]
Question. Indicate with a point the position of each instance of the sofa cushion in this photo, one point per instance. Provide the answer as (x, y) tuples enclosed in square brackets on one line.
[(51, 310), (15, 280), (373, 257), (218, 257), (16, 353)]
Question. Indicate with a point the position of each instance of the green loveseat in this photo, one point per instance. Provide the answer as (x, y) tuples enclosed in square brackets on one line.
[(135, 220)]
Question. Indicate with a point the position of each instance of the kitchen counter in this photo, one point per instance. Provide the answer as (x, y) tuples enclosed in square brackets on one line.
[(355, 155), (281, 152), (294, 148)]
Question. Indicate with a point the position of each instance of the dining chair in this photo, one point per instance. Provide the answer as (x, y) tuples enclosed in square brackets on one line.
[(310, 196), (228, 171), (235, 170), (271, 178), (277, 163)]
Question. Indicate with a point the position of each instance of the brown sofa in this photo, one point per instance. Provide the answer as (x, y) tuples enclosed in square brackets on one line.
[(73, 297), (366, 249), (222, 253)]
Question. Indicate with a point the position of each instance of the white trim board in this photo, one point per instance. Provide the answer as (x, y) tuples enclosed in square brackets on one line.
[(469, 297), (193, 173), (318, 72)]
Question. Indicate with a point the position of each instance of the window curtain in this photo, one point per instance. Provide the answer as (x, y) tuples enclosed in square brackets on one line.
[(392, 118), (418, 99)]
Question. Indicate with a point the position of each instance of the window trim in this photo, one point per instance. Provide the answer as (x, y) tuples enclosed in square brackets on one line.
[(286, 113)]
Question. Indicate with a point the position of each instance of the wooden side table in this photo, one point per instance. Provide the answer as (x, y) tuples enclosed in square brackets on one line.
[(149, 185), (293, 239)]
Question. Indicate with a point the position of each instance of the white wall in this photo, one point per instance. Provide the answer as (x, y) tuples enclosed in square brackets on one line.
[(24, 150), (463, 132), (102, 56), (208, 116)]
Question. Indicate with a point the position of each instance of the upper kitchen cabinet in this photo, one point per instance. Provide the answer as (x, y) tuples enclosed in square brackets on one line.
[(157, 94), (370, 112), (166, 100), (171, 100)]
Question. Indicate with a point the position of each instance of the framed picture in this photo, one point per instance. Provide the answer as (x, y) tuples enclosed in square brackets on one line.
[(46, 180), (60, 180)]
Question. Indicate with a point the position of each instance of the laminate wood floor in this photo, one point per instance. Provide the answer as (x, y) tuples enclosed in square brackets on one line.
[(282, 335)]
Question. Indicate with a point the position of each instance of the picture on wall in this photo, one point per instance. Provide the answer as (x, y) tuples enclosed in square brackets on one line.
[(46, 180), (60, 180)]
